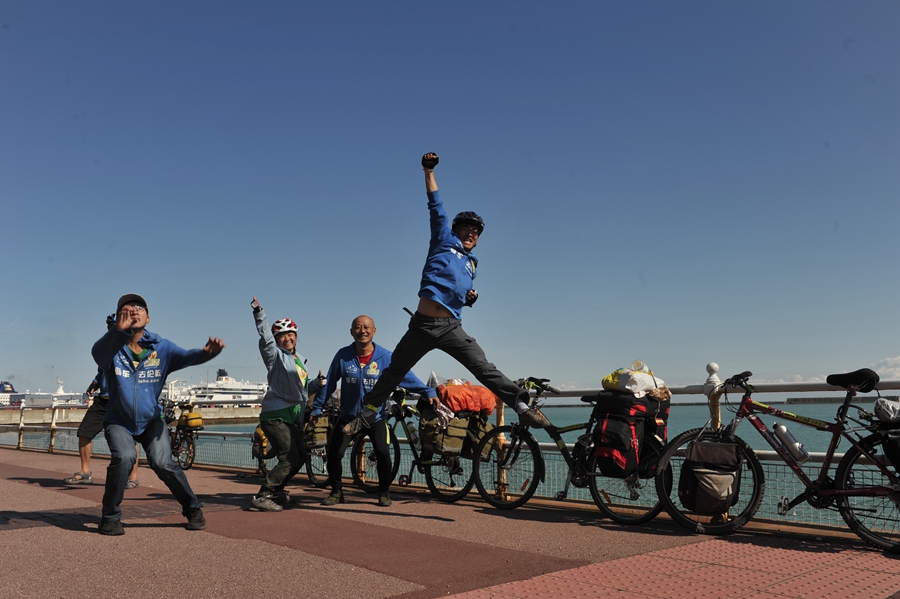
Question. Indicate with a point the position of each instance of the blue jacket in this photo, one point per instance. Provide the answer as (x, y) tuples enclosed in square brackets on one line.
[(287, 384), (356, 381), (449, 271), (134, 392)]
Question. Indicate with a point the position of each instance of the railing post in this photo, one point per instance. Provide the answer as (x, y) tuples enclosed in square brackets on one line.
[(54, 413), (21, 425), (713, 388)]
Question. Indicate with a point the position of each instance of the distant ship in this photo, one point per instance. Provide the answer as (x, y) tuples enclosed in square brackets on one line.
[(9, 396), (225, 388)]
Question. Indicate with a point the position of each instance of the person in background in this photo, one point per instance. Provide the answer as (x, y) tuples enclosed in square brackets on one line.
[(446, 287), (135, 364), (358, 367), (281, 414)]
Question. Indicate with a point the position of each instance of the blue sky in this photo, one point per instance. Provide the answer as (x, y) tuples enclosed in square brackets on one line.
[(677, 182)]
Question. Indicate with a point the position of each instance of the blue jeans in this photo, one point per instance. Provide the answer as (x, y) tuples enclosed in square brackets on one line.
[(158, 447)]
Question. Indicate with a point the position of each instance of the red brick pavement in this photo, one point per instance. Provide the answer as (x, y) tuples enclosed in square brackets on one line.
[(417, 549)]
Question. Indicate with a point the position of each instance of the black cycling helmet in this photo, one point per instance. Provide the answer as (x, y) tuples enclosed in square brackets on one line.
[(469, 217)]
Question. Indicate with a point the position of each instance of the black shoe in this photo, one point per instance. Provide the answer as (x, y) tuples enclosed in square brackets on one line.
[(335, 498), (196, 521), (112, 528), (384, 500)]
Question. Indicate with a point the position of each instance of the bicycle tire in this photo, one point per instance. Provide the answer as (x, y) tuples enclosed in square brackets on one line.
[(317, 466), (517, 459), (449, 478), (185, 451), (363, 462), (875, 519), (751, 490), (634, 499)]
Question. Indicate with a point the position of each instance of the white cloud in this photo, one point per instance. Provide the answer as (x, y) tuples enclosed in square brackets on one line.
[(888, 369)]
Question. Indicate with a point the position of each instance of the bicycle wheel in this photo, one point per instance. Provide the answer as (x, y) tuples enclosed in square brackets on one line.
[(874, 518), (630, 500), (752, 486), (449, 478), (364, 461), (184, 451), (511, 473), (316, 466)]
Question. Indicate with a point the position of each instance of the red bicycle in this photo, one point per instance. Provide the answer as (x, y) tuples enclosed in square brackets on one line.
[(866, 485)]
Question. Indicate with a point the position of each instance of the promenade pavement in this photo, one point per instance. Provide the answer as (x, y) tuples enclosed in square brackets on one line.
[(417, 549)]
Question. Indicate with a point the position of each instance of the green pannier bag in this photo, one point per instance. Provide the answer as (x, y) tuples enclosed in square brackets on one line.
[(478, 428), (442, 441), (316, 435)]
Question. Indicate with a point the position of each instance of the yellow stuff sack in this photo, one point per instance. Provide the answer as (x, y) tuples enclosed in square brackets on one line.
[(192, 420)]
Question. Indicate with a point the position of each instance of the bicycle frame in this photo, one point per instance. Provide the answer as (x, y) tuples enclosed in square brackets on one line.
[(750, 409)]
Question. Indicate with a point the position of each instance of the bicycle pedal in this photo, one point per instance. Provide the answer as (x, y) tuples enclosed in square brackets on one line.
[(560, 495), (784, 505), (403, 481)]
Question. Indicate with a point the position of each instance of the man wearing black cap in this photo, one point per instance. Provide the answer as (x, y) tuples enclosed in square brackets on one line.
[(135, 363)]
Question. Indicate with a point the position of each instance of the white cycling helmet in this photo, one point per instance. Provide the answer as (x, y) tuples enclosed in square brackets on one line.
[(285, 325)]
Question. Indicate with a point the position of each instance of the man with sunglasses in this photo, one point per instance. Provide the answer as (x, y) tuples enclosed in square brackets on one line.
[(446, 287), (135, 364)]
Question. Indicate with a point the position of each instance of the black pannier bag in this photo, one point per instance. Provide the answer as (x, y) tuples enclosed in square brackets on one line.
[(891, 447), (710, 480), (623, 423)]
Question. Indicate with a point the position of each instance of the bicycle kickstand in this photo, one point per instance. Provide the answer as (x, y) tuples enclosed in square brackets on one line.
[(560, 495)]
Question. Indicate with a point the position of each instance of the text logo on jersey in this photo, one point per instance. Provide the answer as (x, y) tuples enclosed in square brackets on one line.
[(372, 368)]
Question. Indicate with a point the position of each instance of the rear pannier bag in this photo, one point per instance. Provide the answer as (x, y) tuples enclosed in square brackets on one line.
[(316, 431), (443, 441), (624, 422), (478, 428), (891, 447), (617, 445), (710, 477)]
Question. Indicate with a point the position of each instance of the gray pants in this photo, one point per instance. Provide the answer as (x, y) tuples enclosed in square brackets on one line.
[(446, 334)]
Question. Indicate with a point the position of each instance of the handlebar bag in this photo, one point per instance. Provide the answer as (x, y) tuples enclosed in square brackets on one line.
[(710, 480)]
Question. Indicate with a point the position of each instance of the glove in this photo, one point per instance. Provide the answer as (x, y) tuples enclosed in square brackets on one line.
[(430, 160), (471, 298)]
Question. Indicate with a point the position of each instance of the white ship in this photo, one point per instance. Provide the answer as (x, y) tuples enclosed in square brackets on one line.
[(8, 396), (227, 390)]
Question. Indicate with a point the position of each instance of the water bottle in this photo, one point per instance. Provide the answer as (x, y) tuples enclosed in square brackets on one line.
[(790, 442)]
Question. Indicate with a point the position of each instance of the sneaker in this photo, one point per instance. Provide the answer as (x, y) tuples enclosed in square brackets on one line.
[(282, 497), (264, 503), (534, 418), (112, 528), (335, 498), (384, 500), (196, 521)]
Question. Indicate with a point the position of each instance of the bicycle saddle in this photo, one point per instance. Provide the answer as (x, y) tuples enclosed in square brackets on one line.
[(863, 379)]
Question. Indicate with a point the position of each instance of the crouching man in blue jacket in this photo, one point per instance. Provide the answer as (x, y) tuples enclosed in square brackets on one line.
[(135, 364), (358, 367)]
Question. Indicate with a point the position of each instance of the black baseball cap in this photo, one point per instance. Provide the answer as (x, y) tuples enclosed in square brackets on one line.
[(131, 298)]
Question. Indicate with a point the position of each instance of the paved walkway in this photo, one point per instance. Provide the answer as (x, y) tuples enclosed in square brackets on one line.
[(417, 549)]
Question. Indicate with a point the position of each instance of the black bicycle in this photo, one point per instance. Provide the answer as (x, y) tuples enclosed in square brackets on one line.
[(512, 466), (182, 436), (449, 477)]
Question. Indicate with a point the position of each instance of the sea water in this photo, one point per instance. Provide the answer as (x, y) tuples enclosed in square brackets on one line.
[(681, 418)]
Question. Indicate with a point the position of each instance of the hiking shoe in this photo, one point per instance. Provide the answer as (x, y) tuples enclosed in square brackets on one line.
[(112, 528), (264, 503), (196, 521), (282, 497), (384, 500), (335, 498), (532, 417)]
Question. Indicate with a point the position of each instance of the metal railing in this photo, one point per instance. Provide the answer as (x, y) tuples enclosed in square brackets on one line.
[(232, 449)]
